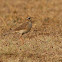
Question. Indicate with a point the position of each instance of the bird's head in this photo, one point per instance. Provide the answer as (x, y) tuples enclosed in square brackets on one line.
[(29, 18)]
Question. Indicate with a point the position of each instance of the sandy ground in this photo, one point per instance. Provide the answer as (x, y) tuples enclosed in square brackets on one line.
[(44, 41)]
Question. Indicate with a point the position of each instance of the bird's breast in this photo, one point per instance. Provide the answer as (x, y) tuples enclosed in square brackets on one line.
[(29, 25)]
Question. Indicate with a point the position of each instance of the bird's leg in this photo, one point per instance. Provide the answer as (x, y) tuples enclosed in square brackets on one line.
[(22, 39)]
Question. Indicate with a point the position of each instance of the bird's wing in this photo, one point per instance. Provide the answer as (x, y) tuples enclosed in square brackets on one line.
[(22, 27)]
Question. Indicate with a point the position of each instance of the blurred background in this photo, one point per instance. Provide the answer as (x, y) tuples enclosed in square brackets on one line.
[(43, 43)]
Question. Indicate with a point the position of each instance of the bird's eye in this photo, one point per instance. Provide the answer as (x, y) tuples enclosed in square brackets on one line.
[(28, 18)]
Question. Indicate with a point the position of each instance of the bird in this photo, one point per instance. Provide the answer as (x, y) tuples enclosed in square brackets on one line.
[(24, 28)]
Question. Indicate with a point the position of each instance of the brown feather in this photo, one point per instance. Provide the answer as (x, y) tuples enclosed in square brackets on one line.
[(22, 27)]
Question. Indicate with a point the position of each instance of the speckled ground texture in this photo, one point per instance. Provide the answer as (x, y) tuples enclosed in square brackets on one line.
[(44, 41)]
